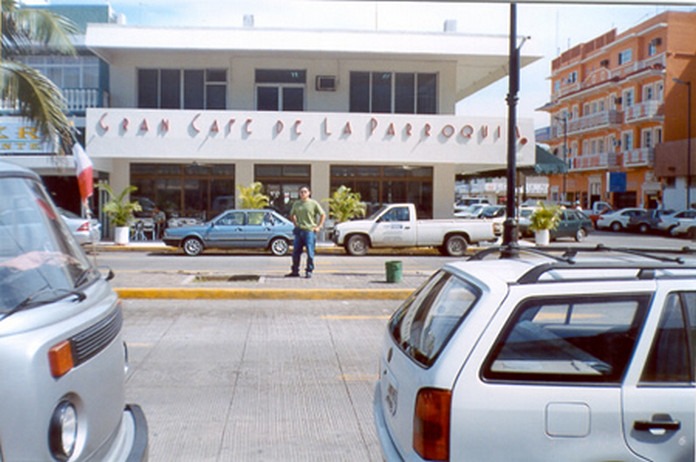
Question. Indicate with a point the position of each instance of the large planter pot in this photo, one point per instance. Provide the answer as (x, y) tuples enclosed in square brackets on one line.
[(542, 237), (121, 235)]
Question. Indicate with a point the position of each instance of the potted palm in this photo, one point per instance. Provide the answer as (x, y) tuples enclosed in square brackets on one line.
[(120, 209), (542, 221), (252, 196), (344, 205)]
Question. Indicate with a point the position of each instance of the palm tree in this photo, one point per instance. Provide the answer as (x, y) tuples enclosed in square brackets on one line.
[(25, 31), (251, 197)]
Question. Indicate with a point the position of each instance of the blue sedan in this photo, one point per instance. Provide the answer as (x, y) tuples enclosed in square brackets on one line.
[(263, 229)]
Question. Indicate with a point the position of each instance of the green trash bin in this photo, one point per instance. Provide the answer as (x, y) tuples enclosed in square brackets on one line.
[(394, 271)]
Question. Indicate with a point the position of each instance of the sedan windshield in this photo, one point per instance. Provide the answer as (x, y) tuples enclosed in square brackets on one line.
[(39, 259)]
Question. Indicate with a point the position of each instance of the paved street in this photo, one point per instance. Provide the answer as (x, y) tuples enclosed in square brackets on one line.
[(256, 380)]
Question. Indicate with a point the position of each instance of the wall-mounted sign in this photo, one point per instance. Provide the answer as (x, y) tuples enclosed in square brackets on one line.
[(20, 137)]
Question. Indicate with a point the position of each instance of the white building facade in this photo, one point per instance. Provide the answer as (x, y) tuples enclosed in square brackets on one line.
[(195, 113)]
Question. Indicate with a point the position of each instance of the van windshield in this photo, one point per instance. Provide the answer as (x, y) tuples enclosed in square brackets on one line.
[(40, 261)]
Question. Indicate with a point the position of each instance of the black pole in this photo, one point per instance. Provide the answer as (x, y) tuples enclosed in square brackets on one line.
[(510, 225)]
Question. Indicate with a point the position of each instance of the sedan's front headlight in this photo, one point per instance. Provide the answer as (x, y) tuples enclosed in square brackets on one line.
[(62, 432)]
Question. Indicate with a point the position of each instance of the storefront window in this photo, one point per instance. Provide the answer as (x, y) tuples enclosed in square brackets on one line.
[(281, 183), (380, 185), (185, 190)]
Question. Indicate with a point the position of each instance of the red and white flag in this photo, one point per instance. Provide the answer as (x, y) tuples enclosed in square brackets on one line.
[(84, 169)]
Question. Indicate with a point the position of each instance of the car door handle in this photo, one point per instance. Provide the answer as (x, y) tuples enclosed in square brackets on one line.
[(407, 227), (658, 422)]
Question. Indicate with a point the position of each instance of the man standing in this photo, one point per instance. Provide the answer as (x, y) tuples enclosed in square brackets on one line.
[(308, 217)]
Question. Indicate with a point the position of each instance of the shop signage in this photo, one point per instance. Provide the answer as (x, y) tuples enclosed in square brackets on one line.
[(18, 137), (382, 127)]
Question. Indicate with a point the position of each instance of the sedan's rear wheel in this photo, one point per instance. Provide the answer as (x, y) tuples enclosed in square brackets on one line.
[(580, 235), (192, 246), (643, 228), (456, 246), (357, 245), (279, 246), (616, 226)]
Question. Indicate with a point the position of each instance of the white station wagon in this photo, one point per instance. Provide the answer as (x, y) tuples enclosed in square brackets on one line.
[(582, 356)]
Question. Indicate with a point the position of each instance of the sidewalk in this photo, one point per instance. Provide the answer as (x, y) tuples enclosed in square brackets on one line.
[(332, 285)]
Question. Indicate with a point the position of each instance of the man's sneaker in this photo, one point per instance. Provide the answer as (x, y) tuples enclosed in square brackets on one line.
[(308, 275), (292, 275)]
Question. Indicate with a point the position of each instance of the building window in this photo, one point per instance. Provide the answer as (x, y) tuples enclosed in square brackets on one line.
[(647, 139), (66, 71), (648, 92), (627, 98), (185, 190), (182, 89), (387, 92), (379, 185), (281, 183), (627, 141), (572, 77), (625, 56), (280, 90)]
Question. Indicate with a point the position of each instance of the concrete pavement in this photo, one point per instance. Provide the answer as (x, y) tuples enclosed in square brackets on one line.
[(250, 284)]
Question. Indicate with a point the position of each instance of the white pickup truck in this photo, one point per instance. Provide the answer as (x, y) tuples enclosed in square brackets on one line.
[(396, 225)]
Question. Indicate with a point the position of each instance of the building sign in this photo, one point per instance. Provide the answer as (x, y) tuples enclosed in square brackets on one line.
[(17, 136), (617, 182)]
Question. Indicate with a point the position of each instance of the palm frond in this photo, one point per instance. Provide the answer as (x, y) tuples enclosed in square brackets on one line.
[(25, 29)]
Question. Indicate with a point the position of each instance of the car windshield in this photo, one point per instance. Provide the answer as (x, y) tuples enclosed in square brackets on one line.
[(40, 262)]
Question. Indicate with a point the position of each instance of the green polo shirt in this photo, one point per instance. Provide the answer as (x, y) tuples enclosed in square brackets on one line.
[(306, 213)]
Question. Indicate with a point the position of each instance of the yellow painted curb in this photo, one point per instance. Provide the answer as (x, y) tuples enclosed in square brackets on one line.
[(263, 294)]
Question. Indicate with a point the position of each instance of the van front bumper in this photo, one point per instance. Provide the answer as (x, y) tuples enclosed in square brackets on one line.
[(131, 442)]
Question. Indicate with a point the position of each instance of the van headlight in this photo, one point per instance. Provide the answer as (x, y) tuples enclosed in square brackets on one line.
[(62, 432)]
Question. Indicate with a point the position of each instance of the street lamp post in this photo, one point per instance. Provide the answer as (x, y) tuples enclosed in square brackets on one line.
[(688, 138)]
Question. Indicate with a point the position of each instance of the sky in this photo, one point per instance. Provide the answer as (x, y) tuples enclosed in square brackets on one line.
[(552, 28)]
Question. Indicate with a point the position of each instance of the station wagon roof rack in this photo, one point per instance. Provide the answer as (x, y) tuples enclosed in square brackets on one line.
[(655, 264)]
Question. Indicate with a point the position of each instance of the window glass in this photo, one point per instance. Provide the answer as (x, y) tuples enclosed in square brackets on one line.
[(257, 218), (427, 94), (170, 89), (293, 99), (670, 356), (359, 92), (148, 88), (193, 89), (216, 97), (267, 98), (280, 76), (381, 92), (405, 91), (423, 325), (568, 340), (216, 75), (232, 219)]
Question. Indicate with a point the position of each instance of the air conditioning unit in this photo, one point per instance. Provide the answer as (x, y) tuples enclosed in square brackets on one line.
[(326, 83), (604, 63)]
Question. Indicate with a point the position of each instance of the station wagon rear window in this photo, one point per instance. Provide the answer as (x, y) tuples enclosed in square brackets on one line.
[(425, 322), (587, 339)]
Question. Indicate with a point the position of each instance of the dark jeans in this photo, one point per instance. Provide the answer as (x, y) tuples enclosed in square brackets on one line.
[(303, 239)]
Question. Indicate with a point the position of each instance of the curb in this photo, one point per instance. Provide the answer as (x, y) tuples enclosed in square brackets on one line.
[(262, 294)]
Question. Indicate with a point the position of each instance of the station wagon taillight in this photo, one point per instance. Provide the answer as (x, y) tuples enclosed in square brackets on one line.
[(431, 423)]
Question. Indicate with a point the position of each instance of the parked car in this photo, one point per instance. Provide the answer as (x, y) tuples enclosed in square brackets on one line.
[(86, 231), (618, 220), (572, 223), (648, 221), (463, 202), (261, 229), (669, 221), (61, 347), (397, 225), (575, 355), (686, 227), (471, 211)]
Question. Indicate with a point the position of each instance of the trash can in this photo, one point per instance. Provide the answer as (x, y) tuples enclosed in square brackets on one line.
[(394, 271)]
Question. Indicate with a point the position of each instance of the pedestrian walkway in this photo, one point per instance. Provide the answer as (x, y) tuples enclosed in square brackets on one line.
[(333, 285)]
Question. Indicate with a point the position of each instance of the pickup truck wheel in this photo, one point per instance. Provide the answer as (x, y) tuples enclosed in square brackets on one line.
[(456, 246), (192, 246), (357, 245), (279, 246)]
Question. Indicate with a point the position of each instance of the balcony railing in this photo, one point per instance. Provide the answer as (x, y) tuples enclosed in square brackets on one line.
[(77, 100), (644, 111), (590, 162), (657, 62), (643, 157), (595, 121)]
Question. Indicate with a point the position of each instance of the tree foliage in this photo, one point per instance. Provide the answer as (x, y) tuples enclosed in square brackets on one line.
[(28, 31), (345, 205), (252, 196)]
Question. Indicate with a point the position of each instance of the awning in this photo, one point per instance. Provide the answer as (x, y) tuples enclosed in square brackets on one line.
[(545, 163)]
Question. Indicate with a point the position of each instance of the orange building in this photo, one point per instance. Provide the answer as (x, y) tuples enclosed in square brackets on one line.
[(614, 99)]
